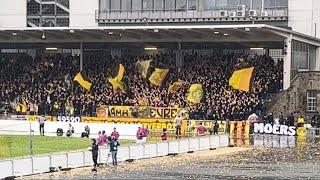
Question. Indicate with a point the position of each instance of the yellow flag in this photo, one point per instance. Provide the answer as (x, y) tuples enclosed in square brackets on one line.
[(195, 93), (116, 84), (158, 76), (83, 81), (175, 86), (117, 81), (120, 72), (241, 79), (143, 67)]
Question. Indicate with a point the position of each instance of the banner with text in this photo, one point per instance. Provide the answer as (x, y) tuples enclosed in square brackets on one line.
[(151, 124), (143, 112), (208, 124)]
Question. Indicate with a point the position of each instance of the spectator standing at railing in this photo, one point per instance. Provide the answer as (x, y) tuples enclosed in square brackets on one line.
[(216, 127), (100, 140), (94, 149), (115, 134), (41, 124), (201, 130), (139, 135), (145, 133), (87, 130), (178, 123), (164, 135), (114, 149), (70, 130), (290, 119)]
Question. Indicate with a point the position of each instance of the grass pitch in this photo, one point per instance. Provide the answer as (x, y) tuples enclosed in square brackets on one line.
[(14, 146)]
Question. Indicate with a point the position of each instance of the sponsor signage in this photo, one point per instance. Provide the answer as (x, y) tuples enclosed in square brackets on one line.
[(208, 124), (19, 117), (274, 129), (151, 124), (36, 118)]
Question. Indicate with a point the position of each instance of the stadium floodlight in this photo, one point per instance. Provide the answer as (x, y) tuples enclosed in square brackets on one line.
[(14, 34), (256, 48), (51, 48), (150, 48)]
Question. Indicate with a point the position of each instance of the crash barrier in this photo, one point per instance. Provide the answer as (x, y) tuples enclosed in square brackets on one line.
[(313, 132), (43, 163)]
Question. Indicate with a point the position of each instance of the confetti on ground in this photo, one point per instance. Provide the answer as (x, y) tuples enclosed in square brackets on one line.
[(300, 162)]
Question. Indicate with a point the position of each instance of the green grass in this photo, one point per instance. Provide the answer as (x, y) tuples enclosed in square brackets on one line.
[(14, 146)]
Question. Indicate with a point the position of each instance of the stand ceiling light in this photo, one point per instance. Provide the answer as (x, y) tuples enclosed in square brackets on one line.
[(150, 48)]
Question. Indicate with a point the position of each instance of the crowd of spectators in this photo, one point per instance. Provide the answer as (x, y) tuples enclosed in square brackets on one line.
[(46, 86)]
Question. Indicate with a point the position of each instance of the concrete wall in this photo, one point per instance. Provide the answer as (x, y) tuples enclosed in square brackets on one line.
[(295, 98), (82, 13), (13, 13), (20, 127), (303, 14)]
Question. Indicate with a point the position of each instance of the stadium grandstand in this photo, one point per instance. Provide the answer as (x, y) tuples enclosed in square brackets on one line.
[(200, 41), (46, 43)]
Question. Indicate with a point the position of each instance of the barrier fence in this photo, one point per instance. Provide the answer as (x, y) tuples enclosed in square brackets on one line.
[(42, 163), (313, 132)]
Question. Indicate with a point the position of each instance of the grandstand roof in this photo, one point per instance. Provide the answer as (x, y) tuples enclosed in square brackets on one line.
[(214, 35)]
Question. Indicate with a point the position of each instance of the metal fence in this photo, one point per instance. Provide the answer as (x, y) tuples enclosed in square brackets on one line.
[(190, 14), (313, 132), (12, 145), (43, 163)]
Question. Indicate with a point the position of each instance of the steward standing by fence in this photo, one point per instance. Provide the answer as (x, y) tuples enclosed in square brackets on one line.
[(178, 123), (41, 125), (94, 149), (114, 149)]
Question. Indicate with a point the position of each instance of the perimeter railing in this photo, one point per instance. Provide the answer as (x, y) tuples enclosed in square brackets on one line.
[(175, 14), (313, 132), (43, 163)]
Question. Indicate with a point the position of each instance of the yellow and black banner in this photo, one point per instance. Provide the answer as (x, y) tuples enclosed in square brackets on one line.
[(208, 124), (239, 129), (195, 93), (151, 124), (175, 86), (158, 76), (143, 67), (241, 79), (83, 80), (143, 112), (117, 81)]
